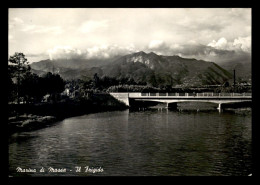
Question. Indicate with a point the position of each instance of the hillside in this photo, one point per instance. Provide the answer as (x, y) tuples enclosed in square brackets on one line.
[(166, 70), (71, 68), (148, 68), (243, 70)]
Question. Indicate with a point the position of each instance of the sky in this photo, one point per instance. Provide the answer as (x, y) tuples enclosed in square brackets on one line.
[(213, 34)]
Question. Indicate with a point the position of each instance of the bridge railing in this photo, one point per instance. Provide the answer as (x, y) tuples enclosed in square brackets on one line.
[(162, 94), (207, 94)]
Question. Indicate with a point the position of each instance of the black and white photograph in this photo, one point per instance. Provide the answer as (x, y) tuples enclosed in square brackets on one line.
[(129, 92)]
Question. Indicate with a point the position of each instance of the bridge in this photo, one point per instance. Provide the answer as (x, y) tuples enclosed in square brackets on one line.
[(171, 99)]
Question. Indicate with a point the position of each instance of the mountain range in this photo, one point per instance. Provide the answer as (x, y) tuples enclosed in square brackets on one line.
[(142, 67)]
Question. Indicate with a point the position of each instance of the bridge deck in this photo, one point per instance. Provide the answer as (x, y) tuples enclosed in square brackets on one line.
[(219, 98), (191, 95)]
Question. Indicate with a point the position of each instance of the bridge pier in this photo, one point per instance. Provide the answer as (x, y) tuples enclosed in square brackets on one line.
[(219, 107)]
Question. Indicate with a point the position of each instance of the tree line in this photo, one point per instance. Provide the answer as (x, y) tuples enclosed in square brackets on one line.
[(25, 86), (107, 84)]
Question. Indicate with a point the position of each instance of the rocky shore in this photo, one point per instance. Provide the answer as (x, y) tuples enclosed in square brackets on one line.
[(29, 122), (35, 116)]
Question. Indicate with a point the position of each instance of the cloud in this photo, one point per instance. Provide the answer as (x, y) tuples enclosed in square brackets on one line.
[(155, 44), (28, 28), (101, 52), (36, 57), (32, 28), (208, 53), (219, 51), (42, 29), (243, 43), (198, 23), (239, 44), (219, 56), (222, 43), (170, 28), (64, 52), (239, 12), (197, 51), (18, 20), (163, 48), (91, 26), (15, 22), (106, 51)]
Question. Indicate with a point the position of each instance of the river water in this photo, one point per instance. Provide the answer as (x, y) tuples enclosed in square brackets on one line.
[(135, 143)]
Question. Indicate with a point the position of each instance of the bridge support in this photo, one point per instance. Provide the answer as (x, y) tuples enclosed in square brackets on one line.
[(219, 107), (171, 105), (123, 97)]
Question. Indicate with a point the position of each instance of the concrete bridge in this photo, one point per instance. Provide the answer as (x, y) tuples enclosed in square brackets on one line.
[(171, 99)]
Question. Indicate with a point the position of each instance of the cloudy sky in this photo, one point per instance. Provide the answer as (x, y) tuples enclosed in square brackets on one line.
[(207, 33)]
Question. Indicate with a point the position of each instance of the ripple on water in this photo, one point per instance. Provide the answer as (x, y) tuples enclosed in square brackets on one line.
[(147, 142)]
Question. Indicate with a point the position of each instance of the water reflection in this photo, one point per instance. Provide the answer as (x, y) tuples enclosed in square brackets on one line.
[(150, 142)]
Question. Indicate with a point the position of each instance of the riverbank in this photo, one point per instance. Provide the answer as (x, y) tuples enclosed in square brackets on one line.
[(29, 122), (28, 117)]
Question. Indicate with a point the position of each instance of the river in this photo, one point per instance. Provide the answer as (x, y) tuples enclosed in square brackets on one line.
[(138, 143)]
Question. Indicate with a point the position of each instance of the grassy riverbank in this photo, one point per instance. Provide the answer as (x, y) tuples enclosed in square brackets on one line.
[(28, 117)]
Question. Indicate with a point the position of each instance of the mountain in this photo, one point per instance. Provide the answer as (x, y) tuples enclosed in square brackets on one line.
[(240, 61), (143, 67), (71, 68), (242, 69), (48, 65), (166, 70)]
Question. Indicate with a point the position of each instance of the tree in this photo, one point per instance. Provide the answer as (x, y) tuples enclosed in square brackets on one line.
[(18, 66), (226, 84), (96, 80), (32, 87), (152, 80), (11, 86), (53, 84)]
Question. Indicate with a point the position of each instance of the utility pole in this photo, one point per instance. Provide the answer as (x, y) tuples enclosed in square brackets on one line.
[(18, 84), (234, 76)]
